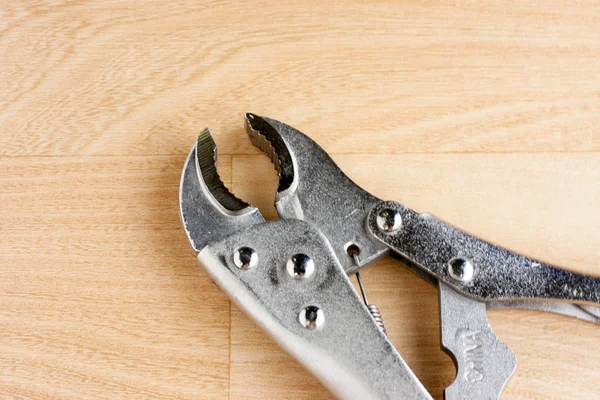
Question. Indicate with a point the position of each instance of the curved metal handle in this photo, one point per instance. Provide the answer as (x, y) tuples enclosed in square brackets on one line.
[(472, 266), (315, 316)]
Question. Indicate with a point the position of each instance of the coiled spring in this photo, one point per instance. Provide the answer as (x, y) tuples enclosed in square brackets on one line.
[(374, 310)]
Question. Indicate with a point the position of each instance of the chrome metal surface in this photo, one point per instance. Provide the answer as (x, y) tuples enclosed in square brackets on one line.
[(460, 269), (579, 311), (499, 274), (245, 258), (300, 266), (347, 353), (204, 212), (594, 311), (389, 220), (313, 188), (484, 364), (311, 317)]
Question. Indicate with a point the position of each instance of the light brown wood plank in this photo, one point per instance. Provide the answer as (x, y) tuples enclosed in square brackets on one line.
[(100, 295), (112, 77), (543, 205)]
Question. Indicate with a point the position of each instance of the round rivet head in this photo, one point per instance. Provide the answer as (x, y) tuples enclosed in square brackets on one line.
[(389, 221), (300, 266), (461, 269), (245, 258), (311, 317)]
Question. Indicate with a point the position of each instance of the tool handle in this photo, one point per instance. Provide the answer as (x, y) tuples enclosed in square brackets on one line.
[(472, 266), (484, 363), (342, 347)]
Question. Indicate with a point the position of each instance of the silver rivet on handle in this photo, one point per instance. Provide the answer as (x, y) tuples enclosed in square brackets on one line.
[(389, 220), (300, 266), (461, 270), (312, 317), (245, 258)]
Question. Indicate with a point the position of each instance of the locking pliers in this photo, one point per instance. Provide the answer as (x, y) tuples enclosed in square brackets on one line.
[(291, 276)]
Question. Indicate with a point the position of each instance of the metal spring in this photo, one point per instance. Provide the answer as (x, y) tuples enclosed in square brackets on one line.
[(374, 310)]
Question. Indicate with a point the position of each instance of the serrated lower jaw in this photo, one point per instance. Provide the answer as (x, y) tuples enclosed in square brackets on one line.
[(205, 218), (206, 159)]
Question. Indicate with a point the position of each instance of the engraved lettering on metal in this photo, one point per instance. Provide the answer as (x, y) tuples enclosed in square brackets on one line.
[(473, 355)]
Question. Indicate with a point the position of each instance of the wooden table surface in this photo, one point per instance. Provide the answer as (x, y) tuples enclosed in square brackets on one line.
[(485, 114)]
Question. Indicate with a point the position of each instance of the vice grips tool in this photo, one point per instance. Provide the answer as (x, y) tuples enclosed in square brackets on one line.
[(291, 276)]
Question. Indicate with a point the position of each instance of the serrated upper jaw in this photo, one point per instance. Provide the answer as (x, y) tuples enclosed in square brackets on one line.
[(209, 211), (314, 189), (265, 134)]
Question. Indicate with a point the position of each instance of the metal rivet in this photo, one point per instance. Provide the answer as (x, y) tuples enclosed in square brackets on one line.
[(300, 266), (245, 258), (311, 317), (461, 269), (389, 220)]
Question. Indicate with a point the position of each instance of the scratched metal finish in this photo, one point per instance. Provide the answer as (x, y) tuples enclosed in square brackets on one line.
[(484, 364), (499, 274), (348, 353), (313, 188)]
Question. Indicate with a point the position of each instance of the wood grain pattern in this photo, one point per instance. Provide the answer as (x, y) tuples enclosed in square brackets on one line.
[(100, 294), (486, 114)]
